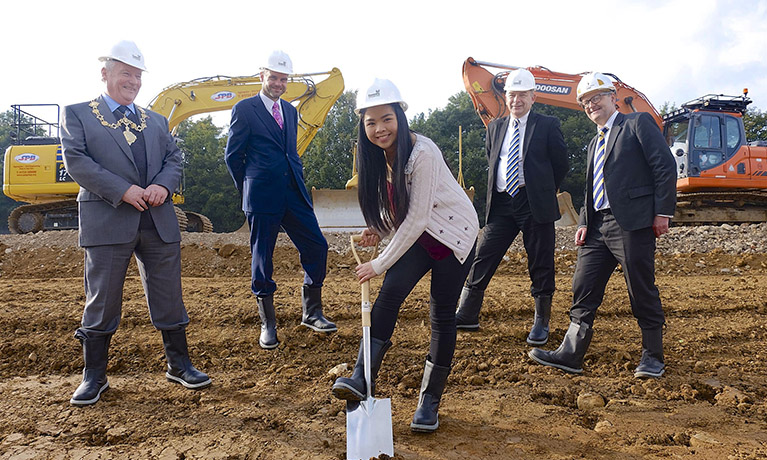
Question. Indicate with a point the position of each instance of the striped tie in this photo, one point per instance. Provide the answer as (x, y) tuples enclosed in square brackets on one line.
[(512, 168), (599, 171)]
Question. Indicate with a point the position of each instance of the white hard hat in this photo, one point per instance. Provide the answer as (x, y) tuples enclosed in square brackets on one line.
[(279, 61), (126, 52), (519, 80), (381, 92), (592, 82)]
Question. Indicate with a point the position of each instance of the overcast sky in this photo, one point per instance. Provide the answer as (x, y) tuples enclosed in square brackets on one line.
[(672, 51)]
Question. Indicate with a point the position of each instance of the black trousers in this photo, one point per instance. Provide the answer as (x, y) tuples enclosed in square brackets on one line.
[(447, 278), (508, 216), (607, 244)]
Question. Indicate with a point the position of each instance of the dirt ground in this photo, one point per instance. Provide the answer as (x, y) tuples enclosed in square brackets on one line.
[(277, 404)]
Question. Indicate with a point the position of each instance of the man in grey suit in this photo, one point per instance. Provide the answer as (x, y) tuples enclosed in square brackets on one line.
[(527, 159), (630, 197), (127, 165)]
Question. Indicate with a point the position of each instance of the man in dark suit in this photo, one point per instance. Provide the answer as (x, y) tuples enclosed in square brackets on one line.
[(630, 197), (262, 158), (127, 165), (527, 159)]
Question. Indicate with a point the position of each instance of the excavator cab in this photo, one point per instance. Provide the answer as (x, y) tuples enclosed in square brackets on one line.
[(708, 140)]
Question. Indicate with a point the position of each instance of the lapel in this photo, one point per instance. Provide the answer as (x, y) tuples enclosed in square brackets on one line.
[(268, 121), (500, 133), (531, 120), (150, 132), (116, 133), (614, 133)]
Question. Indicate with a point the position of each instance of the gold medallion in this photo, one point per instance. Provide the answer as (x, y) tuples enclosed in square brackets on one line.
[(129, 136)]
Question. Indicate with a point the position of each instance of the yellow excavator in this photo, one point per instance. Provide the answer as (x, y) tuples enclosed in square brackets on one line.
[(34, 170)]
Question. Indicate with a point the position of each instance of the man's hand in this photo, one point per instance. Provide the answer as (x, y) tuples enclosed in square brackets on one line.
[(155, 194), (134, 196), (660, 225), (580, 236), (365, 272)]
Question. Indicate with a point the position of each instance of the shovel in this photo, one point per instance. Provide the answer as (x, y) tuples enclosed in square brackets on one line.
[(368, 422)]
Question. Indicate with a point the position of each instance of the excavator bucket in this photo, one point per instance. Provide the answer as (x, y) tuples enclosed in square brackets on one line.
[(337, 210), (569, 216)]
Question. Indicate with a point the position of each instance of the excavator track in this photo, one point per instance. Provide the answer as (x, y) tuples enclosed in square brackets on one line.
[(718, 207), (181, 216), (198, 223), (33, 218)]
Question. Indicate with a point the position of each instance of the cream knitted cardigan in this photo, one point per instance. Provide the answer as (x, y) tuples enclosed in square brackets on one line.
[(438, 205)]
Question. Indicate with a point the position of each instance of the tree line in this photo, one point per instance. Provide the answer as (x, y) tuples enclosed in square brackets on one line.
[(209, 190)]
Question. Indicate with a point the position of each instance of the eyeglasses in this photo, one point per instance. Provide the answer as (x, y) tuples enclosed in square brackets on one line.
[(592, 100)]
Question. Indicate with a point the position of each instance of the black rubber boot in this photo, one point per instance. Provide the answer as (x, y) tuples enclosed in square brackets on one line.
[(311, 304), (569, 355), (467, 315), (353, 388), (425, 419), (268, 338), (651, 365), (95, 356), (539, 334), (180, 368)]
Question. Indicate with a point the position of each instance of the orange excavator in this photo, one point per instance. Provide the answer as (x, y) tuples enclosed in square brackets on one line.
[(721, 177)]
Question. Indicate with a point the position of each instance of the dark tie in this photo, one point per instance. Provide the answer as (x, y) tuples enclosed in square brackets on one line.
[(599, 171), (512, 168), (138, 148)]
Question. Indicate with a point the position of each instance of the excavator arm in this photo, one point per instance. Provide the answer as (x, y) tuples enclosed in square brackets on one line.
[(551, 88), (212, 94)]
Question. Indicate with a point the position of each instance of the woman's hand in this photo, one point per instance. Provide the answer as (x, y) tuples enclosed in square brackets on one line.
[(365, 272), (369, 238)]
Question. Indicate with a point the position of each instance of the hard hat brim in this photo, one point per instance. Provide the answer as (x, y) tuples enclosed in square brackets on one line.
[(402, 104), (110, 58)]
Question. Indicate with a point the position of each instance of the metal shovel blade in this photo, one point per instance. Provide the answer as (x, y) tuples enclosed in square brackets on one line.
[(368, 429)]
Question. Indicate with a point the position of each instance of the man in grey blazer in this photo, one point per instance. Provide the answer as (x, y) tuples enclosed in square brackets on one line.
[(630, 198), (527, 159), (127, 165)]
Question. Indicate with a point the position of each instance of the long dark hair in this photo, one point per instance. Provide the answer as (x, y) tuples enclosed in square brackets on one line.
[(379, 213)]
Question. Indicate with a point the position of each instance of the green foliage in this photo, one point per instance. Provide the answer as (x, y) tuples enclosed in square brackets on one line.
[(328, 159), (208, 187), (755, 122)]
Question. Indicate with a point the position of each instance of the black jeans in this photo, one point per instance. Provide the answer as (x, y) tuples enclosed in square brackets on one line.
[(447, 278)]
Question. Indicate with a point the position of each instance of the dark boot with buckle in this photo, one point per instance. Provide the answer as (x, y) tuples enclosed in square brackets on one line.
[(311, 304), (95, 355), (354, 388), (180, 368), (569, 355), (539, 334), (651, 365), (425, 419), (268, 338), (467, 315)]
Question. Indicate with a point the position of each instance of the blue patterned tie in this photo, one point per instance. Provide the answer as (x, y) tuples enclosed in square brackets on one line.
[(599, 171), (512, 168)]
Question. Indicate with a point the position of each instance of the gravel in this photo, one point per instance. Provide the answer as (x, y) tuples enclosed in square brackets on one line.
[(727, 239)]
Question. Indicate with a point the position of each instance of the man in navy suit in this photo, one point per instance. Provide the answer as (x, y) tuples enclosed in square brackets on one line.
[(527, 159), (630, 197), (262, 158)]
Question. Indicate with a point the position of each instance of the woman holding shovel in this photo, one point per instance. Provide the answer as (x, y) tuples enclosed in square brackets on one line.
[(406, 188)]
